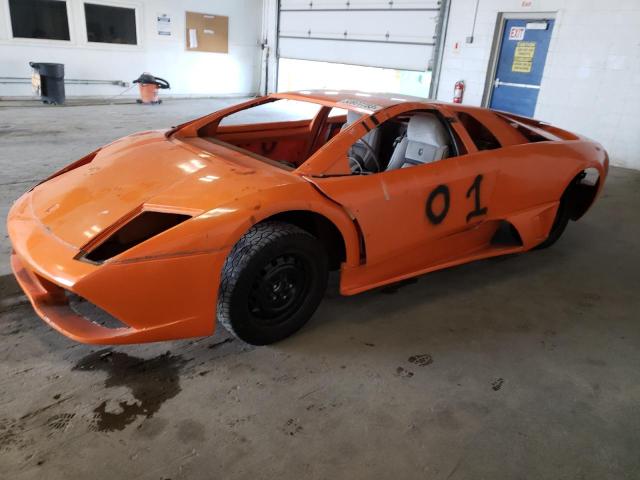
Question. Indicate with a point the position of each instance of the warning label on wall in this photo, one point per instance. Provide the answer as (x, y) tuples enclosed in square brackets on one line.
[(523, 57)]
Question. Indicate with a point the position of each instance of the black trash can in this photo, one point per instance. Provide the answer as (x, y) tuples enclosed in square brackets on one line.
[(48, 80)]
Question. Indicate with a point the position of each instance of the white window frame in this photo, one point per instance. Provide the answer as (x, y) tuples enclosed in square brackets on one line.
[(8, 37), (136, 6)]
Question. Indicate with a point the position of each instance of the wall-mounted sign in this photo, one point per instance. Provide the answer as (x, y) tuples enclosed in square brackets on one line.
[(163, 24), (516, 33), (523, 57), (537, 25)]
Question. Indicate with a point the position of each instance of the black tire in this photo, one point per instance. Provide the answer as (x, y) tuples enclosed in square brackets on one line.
[(272, 282), (563, 215)]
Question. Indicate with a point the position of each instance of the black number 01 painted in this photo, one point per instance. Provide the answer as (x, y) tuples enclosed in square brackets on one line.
[(434, 217), (478, 210), (442, 190)]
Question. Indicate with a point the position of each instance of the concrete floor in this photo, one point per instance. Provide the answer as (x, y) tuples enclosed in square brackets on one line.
[(520, 367)]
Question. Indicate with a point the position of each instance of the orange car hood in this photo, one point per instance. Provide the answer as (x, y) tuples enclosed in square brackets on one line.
[(139, 169)]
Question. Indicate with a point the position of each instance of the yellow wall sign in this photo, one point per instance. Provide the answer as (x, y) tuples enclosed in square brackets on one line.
[(523, 57)]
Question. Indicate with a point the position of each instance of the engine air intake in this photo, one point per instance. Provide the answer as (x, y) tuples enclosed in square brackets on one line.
[(141, 228)]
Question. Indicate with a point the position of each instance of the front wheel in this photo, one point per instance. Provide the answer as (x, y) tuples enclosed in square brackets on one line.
[(271, 283)]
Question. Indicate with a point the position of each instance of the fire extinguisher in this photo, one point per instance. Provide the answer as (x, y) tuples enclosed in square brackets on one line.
[(458, 91)]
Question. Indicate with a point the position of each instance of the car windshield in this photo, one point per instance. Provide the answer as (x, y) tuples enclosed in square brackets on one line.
[(279, 111), (285, 131)]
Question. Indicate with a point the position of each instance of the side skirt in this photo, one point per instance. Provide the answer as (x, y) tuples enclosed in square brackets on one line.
[(531, 228)]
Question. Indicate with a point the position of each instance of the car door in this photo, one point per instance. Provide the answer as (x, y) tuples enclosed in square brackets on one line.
[(418, 217)]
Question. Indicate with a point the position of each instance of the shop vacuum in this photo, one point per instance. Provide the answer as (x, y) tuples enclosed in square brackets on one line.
[(149, 88)]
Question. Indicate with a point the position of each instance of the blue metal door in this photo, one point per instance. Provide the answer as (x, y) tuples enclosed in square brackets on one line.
[(523, 52)]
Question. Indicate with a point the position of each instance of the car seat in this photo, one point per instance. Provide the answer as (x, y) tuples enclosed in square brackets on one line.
[(426, 141)]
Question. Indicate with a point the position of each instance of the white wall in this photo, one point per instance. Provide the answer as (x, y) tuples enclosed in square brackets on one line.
[(591, 81), (190, 73)]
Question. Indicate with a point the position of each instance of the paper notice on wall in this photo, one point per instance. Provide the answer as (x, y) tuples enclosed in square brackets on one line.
[(163, 22), (193, 38), (523, 57)]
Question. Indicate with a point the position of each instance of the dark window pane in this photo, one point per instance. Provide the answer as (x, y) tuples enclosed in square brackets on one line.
[(39, 19), (480, 134), (110, 24)]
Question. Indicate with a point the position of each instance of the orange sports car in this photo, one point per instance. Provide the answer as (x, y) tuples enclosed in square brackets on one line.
[(240, 215)]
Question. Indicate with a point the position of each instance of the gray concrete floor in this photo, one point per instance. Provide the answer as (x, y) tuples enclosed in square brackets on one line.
[(520, 367)]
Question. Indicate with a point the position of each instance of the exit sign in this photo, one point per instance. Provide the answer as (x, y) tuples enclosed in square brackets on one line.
[(516, 33)]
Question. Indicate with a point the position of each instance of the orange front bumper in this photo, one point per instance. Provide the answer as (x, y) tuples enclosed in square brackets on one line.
[(51, 304), (155, 299)]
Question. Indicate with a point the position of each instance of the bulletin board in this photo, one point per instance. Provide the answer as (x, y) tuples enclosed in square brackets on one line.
[(207, 32)]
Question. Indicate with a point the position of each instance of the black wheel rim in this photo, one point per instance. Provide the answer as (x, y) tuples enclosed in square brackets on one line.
[(279, 289)]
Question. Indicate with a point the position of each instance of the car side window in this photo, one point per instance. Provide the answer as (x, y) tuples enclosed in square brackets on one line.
[(481, 136), (407, 140)]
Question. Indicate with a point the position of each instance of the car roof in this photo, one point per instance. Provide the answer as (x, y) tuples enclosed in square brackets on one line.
[(364, 102)]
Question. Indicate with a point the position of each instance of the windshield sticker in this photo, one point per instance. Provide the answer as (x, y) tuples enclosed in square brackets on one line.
[(360, 104)]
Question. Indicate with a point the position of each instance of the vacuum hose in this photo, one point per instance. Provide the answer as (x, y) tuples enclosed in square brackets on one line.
[(148, 79)]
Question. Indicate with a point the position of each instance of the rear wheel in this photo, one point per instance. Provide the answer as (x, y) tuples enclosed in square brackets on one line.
[(272, 282)]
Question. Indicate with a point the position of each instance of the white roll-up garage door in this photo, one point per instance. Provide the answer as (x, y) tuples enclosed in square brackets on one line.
[(399, 34)]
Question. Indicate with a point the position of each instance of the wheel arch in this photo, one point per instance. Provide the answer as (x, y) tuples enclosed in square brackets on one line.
[(321, 227), (335, 229), (583, 190), (587, 178)]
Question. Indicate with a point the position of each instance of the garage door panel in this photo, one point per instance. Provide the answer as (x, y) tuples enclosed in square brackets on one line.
[(401, 57), (376, 33), (356, 4), (370, 25)]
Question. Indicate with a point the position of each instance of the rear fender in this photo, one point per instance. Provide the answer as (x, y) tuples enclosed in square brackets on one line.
[(583, 191)]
